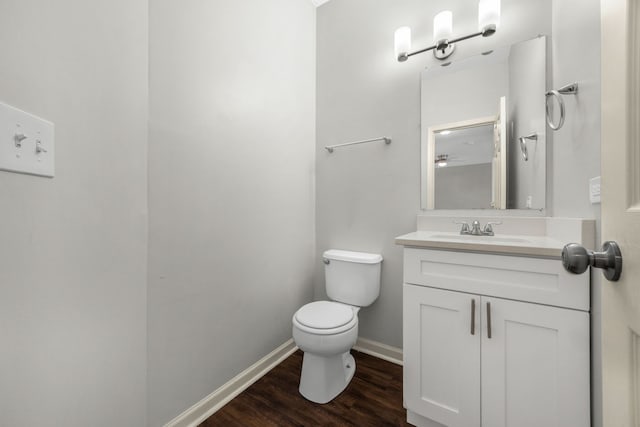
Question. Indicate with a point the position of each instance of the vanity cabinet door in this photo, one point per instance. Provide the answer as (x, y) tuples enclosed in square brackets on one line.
[(442, 355), (535, 365)]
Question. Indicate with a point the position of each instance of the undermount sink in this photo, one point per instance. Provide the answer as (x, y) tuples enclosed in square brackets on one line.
[(484, 239)]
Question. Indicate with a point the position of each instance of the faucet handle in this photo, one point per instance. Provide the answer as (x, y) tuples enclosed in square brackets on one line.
[(488, 228), (465, 226)]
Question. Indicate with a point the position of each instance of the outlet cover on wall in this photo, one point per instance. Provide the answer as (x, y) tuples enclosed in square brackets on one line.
[(26, 143), (594, 190)]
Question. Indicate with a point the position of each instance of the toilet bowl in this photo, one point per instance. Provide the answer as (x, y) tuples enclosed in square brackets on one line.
[(327, 366), (326, 330)]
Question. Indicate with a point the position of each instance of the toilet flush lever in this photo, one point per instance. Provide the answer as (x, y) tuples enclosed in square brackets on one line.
[(326, 261)]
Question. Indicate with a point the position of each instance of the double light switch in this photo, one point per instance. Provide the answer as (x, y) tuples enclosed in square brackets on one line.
[(26, 143)]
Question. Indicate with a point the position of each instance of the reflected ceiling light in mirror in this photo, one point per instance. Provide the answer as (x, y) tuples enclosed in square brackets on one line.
[(444, 44)]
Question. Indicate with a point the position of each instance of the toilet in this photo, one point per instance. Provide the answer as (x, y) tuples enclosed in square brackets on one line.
[(326, 330)]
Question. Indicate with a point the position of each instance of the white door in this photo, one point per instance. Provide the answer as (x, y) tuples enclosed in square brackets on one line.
[(535, 365), (621, 210), (441, 338)]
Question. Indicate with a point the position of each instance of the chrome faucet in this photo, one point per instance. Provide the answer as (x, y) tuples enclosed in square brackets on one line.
[(488, 228), (475, 229)]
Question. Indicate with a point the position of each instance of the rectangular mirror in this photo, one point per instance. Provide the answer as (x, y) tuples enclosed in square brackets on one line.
[(484, 131)]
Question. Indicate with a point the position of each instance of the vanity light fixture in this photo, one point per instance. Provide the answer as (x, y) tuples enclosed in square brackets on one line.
[(443, 43)]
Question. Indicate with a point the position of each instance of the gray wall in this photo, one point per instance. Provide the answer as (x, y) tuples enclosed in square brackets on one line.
[(368, 195), (73, 269), (461, 187), (526, 115), (231, 191), (576, 147), (452, 94)]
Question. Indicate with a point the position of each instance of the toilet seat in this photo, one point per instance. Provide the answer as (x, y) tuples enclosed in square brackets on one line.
[(325, 318)]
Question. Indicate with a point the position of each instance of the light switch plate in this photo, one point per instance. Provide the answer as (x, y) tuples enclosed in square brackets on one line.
[(594, 190), (26, 143)]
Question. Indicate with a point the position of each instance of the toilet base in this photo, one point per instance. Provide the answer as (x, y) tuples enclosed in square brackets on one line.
[(323, 378)]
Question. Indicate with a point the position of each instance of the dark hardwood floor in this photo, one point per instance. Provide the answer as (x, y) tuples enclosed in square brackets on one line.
[(373, 398)]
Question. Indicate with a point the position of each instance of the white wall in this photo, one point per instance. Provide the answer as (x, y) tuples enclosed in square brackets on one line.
[(231, 192), (73, 252)]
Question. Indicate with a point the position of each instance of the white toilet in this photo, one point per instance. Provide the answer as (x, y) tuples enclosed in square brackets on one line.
[(326, 330)]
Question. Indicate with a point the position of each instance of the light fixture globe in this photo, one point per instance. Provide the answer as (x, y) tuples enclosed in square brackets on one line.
[(488, 16), (443, 41), (402, 43), (442, 27)]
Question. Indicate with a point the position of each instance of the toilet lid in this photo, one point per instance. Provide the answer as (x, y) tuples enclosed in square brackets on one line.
[(324, 315)]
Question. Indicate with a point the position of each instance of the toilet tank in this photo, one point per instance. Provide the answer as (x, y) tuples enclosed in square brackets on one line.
[(352, 277)]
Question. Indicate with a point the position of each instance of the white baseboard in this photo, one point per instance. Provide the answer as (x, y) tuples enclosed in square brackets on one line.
[(216, 400), (379, 350)]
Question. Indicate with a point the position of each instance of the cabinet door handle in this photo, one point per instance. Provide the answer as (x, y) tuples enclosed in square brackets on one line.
[(473, 316), (489, 320)]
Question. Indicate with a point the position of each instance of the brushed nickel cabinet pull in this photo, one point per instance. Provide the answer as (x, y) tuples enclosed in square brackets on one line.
[(489, 320), (473, 317)]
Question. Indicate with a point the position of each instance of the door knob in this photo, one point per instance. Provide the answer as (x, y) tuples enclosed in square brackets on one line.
[(576, 259)]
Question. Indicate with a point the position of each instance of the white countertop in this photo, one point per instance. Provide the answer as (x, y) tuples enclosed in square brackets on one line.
[(506, 244), (519, 236)]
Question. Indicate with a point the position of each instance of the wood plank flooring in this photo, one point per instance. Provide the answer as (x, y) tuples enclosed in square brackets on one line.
[(373, 398)]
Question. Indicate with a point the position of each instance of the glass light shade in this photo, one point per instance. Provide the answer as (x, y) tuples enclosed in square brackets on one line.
[(442, 26), (402, 39), (488, 14)]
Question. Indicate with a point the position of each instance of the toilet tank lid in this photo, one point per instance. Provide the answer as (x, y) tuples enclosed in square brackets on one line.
[(358, 257)]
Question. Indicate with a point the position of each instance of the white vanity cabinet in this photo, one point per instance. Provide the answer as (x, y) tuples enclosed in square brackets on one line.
[(494, 341)]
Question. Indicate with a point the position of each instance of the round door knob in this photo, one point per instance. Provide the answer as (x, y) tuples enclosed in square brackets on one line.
[(576, 259)]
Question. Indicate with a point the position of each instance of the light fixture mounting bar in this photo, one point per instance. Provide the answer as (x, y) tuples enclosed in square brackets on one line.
[(490, 30)]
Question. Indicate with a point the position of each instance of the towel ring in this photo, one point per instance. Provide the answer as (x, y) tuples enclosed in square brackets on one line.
[(555, 94), (570, 89), (523, 145)]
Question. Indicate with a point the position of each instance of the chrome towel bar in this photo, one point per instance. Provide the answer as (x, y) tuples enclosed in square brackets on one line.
[(386, 140)]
